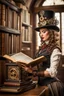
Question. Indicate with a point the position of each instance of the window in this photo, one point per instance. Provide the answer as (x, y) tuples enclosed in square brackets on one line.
[(60, 17), (62, 21)]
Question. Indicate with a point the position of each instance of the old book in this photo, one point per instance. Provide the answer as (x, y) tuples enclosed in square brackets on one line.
[(10, 89), (21, 58), (10, 83), (17, 89)]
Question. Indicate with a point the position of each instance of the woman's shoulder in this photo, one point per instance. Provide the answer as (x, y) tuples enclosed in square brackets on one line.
[(57, 50)]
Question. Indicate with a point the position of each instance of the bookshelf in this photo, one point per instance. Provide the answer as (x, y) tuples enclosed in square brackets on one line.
[(26, 32), (9, 27), (15, 33), (9, 32)]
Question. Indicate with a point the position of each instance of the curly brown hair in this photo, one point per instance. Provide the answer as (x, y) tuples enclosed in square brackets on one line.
[(52, 40)]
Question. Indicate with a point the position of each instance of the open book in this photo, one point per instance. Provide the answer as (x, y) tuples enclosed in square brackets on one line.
[(24, 59)]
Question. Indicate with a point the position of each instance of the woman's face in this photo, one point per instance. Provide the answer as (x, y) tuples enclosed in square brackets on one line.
[(44, 34)]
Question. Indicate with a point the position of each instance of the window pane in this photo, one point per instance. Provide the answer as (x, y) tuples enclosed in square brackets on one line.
[(62, 32), (57, 15)]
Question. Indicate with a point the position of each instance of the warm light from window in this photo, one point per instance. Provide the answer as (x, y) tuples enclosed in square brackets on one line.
[(62, 33)]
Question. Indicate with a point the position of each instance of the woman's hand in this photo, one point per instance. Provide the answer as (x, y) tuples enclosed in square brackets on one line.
[(27, 69)]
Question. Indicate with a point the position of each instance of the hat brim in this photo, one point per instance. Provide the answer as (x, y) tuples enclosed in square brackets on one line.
[(48, 27)]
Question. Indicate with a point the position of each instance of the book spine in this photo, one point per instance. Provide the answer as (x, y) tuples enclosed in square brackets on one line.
[(3, 15), (9, 89), (17, 84), (11, 84), (0, 14)]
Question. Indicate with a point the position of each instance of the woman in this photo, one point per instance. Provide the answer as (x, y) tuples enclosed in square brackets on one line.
[(47, 71)]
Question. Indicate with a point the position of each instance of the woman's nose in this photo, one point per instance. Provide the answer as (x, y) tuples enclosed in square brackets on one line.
[(41, 34)]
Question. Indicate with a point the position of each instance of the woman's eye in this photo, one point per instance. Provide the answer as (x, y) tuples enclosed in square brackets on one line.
[(43, 31)]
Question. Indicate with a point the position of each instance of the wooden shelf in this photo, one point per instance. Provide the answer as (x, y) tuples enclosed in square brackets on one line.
[(9, 30), (28, 42), (25, 24), (11, 6)]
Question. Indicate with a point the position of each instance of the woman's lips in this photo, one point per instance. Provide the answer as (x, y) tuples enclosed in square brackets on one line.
[(42, 37)]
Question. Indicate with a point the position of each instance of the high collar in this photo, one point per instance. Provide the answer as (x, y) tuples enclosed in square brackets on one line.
[(47, 42)]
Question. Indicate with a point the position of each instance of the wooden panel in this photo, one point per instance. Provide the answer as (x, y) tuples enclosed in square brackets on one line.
[(54, 8)]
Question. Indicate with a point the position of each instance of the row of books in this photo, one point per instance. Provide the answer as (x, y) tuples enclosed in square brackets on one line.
[(17, 83), (26, 17), (26, 33), (17, 89), (8, 17)]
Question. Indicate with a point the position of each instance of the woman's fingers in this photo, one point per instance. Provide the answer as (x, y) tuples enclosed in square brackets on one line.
[(28, 69), (21, 64)]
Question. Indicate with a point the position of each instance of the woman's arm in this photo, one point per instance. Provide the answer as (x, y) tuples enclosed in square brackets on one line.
[(54, 62)]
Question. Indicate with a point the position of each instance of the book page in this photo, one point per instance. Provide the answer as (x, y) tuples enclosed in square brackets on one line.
[(9, 58), (22, 57), (37, 61)]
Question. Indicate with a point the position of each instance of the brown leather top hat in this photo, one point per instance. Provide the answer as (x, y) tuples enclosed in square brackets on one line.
[(47, 20)]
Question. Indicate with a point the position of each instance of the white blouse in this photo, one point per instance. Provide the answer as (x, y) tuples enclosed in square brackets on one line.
[(54, 62)]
